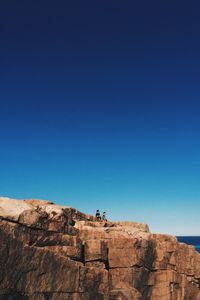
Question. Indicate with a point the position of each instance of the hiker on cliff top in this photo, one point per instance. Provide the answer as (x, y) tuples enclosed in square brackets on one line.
[(98, 216), (104, 216)]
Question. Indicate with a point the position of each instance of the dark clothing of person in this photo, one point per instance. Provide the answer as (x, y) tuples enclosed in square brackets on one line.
[(98, 216), (104, 216)]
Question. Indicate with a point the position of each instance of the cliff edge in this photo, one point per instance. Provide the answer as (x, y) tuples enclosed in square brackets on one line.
[(51, 252)]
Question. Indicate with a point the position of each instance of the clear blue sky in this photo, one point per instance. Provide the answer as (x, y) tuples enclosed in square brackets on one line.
[(100, 108)]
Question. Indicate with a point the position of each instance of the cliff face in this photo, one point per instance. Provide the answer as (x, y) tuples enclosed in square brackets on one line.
[(49, 252)]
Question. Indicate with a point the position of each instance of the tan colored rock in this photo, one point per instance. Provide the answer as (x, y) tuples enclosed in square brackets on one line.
[(96, 250), (55, 252), (11, 208), (121, 278), (135, 225), (123, 294), (122, 253)]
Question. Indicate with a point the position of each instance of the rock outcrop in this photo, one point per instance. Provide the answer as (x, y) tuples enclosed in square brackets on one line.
[(49, 252)]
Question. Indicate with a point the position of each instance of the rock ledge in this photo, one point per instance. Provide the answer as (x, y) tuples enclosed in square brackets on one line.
[(52, 252)]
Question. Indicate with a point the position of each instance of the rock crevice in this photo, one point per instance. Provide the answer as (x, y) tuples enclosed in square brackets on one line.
[(56, 253)]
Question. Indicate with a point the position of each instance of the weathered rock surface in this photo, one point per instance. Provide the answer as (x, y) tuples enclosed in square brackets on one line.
[(49, 252)]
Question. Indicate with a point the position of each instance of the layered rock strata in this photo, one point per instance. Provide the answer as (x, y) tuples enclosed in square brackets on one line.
[(51, 252)]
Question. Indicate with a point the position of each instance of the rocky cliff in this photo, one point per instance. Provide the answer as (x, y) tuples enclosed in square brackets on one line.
[(49, 252)]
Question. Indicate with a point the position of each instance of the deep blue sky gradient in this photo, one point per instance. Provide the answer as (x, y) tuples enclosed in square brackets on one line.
[(99, 108)]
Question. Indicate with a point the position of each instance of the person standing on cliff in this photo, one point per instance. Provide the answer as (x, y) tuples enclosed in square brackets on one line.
[(104, 216), (98, 216)]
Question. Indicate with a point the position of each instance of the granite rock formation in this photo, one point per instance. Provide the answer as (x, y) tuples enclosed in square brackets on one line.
[(49, 252)]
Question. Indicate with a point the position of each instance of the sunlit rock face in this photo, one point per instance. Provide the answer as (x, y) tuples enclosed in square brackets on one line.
[(51, 252)]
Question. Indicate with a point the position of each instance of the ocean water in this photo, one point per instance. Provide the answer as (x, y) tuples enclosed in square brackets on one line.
[(190, 240)]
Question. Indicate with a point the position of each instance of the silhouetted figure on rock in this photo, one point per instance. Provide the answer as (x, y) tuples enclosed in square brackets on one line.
[(98, 216), (104, 216)]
